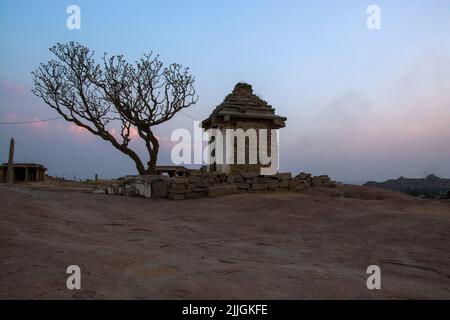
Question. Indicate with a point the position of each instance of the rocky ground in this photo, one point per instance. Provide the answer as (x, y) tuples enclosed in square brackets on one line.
[(310, 245)]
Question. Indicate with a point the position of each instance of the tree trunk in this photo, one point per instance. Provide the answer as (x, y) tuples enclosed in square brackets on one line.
[(139, 166), (153, 158)]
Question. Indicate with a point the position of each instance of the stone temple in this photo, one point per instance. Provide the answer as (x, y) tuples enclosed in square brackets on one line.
[(23, 172), (244, 110)]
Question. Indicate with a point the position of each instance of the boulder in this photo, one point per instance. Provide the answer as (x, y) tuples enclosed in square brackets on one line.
[(302, 176), (301, 187), (293, 183), (284, 176)]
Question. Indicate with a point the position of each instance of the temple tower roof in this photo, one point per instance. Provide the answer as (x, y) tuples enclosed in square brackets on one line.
[(242, 103)]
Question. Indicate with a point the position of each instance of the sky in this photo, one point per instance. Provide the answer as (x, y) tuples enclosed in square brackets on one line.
[(361, 104)]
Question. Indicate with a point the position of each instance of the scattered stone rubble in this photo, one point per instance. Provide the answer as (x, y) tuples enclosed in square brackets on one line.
[(201, 184)]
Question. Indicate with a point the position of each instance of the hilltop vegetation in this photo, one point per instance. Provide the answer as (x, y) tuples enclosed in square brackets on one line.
[(429, 187)]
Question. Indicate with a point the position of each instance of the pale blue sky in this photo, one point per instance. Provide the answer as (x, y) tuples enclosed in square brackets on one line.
[(360, 104)]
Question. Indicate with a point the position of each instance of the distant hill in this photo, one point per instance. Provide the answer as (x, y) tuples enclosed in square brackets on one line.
[(429, 187)]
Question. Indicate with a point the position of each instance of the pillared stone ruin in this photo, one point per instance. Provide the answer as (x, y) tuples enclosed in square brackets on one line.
[(242, 109), (23, 172), (20, 172)]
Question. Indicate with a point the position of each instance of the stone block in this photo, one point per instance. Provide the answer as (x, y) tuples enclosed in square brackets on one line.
[(144, 189), (283, 184), (178, 191), (259, 187), (130, 190), (190, 186), (196, 173), (221, 190), (160, 189), (326, 181), (301, 187), (176, 196), (273, 186), (284, 175), (249, 175), (264, 179), (177, 186), (194, 195), (193, 179), (293, 183), (179, 181), (111, 190), (317, 182), (100, 191), (302, 176), (242, 186), (200, 185)]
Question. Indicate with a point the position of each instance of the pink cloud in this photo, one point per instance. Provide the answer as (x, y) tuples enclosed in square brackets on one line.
[(133, 133), (37, 124), (12, 117), (166, 142), (11, 87), (77, 130)]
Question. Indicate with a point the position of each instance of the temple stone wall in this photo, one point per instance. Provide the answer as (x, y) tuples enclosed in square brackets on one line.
[(200, 184)]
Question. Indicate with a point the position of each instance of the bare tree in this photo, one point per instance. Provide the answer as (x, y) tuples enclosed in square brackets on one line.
[(98, 97)]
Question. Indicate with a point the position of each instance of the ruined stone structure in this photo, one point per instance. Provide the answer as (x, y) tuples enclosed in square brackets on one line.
[(243, 110), (23, 172), (9, 170), (198, 184), (240, 110), (172, 171), (20, 172)]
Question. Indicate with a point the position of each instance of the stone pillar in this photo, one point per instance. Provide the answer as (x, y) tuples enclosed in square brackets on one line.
[(26, 174), (10, 172)]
